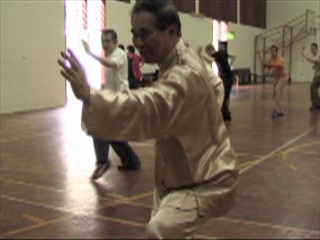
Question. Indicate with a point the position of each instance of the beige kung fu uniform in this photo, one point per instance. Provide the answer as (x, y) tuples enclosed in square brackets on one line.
[(195, 168)]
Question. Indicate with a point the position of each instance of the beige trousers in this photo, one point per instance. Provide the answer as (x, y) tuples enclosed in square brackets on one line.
[(180, 213)]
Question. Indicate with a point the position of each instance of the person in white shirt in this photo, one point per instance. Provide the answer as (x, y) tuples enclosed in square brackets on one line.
[(116, 64), (315, 60)]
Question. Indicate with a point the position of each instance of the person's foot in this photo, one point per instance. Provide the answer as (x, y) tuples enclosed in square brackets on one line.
[(101, 168), (227, 117), (276, 114), (314, 108), (129, 168)]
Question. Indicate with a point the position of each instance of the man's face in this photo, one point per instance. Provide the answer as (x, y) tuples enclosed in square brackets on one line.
[(314, 50), (154, 45), (273, 51), (108, 44)]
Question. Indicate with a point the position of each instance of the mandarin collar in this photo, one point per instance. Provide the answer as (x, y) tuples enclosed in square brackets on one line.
[(173, 56)]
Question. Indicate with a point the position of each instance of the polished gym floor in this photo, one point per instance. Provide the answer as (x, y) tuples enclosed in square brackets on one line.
[(47, 161)]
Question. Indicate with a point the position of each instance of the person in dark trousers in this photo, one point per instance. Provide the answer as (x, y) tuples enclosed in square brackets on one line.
[(133, 84), (116, 63), (225, 73), (136, 62), (315, 85)]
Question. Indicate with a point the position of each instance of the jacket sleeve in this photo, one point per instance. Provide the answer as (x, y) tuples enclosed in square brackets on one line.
[(135, 115)]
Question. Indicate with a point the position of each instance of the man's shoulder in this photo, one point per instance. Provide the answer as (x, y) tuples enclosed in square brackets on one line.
[(120, 57), (189, 66), (190, 58), (279, 59), (135, 56), (118, 53)]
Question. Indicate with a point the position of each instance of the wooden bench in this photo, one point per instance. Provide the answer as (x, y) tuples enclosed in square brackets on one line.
[(244, 76), (148, 79)]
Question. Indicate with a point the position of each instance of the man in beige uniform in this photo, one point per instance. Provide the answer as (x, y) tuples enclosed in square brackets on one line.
[(195, 169)]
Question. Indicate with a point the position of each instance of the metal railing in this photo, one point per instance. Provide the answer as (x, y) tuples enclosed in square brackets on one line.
[(284, 36)]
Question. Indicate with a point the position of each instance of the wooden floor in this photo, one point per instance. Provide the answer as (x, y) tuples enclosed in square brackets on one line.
[(46, 162)]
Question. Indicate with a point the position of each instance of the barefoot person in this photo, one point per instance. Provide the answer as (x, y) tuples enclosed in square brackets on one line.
[(280, 78)]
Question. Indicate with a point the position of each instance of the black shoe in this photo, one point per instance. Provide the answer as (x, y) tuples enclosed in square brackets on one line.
[(129, 168), (101, 168), (276, 114), (227, 117), (314, 108)]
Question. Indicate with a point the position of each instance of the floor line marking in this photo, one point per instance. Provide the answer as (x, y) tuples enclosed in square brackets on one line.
[(33, 218), (70, 213), (142, 195), (33, 185), (268, 225), (198, 236), (112, 194), (122, 221), (119, 199), (33, 203), (128, 200), (298, 147), (28, 228), (265, 157)]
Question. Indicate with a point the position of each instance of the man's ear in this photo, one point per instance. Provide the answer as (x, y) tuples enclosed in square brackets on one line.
[(173, 30)]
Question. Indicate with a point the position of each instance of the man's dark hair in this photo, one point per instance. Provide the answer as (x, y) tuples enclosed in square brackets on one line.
[(121, 46), (275, 47), (131, 48), (112, 32), (164, 11), (314, 45)]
